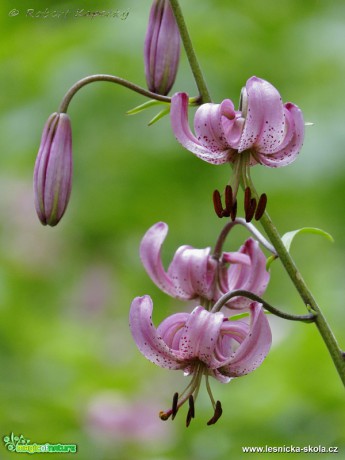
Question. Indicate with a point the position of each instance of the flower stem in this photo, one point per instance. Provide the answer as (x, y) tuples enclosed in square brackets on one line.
[(188, 46), (303, 290), (250, 227), (338, 356), (112, 79), (310, 318)]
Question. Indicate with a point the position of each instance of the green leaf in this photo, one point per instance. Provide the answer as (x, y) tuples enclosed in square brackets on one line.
[(289, 236), (159, 115), (239, 316), (144, 106), (269, 261)]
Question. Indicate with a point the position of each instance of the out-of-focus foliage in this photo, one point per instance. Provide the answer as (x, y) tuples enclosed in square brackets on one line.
[(69, 368)]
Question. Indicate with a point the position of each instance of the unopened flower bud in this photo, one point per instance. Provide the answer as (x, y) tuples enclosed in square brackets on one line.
[(53, 169), (162, 48)]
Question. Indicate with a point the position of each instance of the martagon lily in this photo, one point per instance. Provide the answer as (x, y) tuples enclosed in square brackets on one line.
[(196, 273), (263, 131), (202, 344), (53, 169)]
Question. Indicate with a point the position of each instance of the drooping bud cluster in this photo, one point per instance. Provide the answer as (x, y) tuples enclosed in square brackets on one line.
[(53, 169), (162, 48)]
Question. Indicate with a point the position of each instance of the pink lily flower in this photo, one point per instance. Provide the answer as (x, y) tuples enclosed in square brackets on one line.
[(201, 344), (196, 273), (263, 131), (270, 131)]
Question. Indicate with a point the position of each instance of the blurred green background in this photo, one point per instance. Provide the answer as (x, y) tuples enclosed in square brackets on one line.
[(70, 372)]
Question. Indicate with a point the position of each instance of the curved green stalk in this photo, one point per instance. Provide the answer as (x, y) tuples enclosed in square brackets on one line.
[(188, 46), (303, 290), (112, 79), (310, 318)]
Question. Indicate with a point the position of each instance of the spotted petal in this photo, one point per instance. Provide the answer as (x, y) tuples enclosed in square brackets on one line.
[(181, 129), (190, 273), (264, 117), (198, 339), (253, 349), (295, 135), (149, 342), (208, 124)]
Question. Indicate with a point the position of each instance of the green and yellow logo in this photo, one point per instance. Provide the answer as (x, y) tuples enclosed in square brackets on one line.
[(19, 444)]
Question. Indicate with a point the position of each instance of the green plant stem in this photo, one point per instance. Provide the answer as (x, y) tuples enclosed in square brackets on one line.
[(310, 318), (303, 290), (188, 46), (112, 79), (337, 355)]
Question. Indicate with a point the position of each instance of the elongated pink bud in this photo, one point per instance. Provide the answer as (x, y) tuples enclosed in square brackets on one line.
[(53, 169), (162, 48)]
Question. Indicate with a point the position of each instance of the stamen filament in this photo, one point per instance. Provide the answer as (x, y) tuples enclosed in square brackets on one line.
[(191, 389), (247, 198), (208, 387)]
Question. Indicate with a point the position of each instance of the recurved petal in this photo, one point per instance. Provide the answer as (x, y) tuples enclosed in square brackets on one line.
[(264, 119), (253, 349), (192, 273), (233, 130), (150, 254), (171, 328), (295, 135), (236, 258), (208, 124), (200, 335), (182, 132), (146, 337)]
